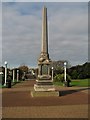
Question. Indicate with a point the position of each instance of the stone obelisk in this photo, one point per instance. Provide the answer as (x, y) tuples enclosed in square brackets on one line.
[(44, 81), (44, 32)]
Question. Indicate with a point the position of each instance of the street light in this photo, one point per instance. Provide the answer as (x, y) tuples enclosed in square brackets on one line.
[(5, 72), (13, 74), (65, 71), (65, 81), (52, 73), (17, 75)]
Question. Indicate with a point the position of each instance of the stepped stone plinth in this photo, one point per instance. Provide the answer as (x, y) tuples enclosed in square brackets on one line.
[(45, 93), (44, 83)]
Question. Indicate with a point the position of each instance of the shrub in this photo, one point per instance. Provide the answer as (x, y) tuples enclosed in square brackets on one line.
[(60, 78), (57, 78)]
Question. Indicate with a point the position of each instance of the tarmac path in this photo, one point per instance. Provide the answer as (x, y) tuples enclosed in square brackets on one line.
[(18, 103)]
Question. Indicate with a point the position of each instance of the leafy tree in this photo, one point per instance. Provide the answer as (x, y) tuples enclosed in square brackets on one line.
[(80, 71), (22, 69), (59, 66), (58, 70), (74, 74)]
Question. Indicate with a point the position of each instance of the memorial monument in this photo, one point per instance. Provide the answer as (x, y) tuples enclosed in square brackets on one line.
[(44, 81)]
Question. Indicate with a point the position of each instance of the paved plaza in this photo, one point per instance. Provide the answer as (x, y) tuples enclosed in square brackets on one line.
[(18, 103)]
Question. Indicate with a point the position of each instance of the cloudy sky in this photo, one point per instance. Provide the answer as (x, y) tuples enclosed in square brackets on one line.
[(21, 32)]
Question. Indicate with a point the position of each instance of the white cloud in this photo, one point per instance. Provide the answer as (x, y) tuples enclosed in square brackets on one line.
[(68, 33)]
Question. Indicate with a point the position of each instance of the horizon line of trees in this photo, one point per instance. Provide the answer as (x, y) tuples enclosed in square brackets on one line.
[(80, 71)]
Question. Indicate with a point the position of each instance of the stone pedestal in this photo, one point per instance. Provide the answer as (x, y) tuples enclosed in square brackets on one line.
[(44, 83), (44, 87)]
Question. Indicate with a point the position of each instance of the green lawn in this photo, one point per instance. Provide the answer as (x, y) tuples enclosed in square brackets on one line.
[(81, 82), (15, 82), (77, 82), (58, 83), (2, 86)]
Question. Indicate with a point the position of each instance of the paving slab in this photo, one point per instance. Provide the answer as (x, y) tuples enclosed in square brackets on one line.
[(18, 103), (73, 111)]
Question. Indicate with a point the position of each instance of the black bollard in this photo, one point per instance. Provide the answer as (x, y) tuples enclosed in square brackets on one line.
[(8, 83), (67, 83)]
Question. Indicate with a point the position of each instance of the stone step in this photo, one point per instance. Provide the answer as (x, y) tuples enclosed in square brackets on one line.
[(45, 94), (44, 81), (44, 87)]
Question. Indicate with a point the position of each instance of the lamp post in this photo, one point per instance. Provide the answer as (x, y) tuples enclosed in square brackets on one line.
[(13, 74), (52, 73), (17, 75), (65, 71), (5, 72), (65, 81)]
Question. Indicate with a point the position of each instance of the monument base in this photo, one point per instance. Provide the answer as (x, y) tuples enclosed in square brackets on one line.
[(45, 94), (44, 87)]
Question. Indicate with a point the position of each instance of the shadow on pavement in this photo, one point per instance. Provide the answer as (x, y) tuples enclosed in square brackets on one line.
[(66, 92)]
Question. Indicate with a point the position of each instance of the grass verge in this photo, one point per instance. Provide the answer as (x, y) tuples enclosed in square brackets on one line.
[(76, 82)]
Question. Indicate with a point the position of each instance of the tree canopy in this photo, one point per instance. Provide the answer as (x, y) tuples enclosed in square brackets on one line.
[(80, 71)]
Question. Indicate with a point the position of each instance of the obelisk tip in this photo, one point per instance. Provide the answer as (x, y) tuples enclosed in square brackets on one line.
[(44, 7)]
